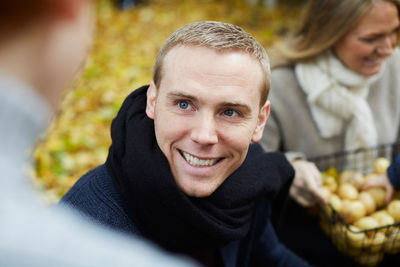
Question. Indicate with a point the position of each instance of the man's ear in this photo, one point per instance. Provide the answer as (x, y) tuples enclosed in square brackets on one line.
[(262, 119), (151, 100)]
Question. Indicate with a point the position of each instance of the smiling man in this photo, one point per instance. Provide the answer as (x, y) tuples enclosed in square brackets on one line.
[(182, 170), (215, 110)]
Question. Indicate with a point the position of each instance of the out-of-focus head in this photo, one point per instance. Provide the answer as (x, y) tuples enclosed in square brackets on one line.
[(326, 24), (218, 36), (46, 41), (17, 14), (208, 102)]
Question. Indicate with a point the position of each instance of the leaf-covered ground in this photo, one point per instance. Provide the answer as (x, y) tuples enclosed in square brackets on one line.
[(121, 60)]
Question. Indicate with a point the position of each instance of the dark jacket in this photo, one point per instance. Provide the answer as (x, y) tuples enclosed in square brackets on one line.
[(393, 172), (95, 194)]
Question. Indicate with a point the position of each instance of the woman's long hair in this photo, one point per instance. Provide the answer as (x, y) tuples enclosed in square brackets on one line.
[(322, 24)]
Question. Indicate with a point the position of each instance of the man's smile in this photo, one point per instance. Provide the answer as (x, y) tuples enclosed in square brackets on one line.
[(206, 114), (197, 162)]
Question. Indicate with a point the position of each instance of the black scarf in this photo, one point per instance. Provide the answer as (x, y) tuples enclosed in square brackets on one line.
[(161, 211)]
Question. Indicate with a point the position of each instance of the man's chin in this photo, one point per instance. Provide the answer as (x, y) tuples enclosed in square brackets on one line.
[(197, 190)]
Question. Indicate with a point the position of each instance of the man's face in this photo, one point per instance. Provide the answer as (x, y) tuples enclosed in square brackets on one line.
[(206, 112), (366, 46)]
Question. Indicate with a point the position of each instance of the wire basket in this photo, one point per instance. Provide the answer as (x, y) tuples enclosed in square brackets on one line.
[(367, 247)]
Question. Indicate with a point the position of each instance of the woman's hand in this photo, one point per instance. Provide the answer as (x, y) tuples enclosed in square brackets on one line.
[(381, 181), (307, 184)]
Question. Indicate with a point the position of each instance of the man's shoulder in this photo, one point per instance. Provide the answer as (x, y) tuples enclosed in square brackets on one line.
[(96, 196), (83, 191), (262, 213)]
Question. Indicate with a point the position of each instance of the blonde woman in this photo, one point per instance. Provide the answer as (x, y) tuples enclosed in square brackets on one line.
[(335, 86)]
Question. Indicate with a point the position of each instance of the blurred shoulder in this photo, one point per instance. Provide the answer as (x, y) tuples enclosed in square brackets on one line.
[(396, 52), (390, 76), (394, 59), (284, 84), (283, 78), (282, 72)]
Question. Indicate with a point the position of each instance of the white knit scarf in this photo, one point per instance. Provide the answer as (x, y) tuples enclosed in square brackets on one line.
[(337, 97)]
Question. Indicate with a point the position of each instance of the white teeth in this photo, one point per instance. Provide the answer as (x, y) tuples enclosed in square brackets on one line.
[(198, 162)]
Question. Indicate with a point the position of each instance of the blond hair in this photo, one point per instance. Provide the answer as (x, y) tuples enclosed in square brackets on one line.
[(219, 36), (323, 23)]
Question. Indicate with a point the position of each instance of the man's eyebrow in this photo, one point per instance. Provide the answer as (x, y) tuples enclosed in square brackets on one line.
[(238, 105), (174, 95)]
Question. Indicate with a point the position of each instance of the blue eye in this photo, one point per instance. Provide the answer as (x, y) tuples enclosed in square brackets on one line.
[(229, 112), (183, 105)]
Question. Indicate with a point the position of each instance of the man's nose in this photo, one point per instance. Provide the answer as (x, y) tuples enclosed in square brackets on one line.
[(204, 130), (386, 46)]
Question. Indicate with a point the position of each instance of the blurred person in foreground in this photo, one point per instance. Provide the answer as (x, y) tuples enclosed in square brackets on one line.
[(42, 45), (181, 169), (335, 87)]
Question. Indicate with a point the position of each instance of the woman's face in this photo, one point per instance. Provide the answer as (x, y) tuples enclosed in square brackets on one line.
[(364, 48)]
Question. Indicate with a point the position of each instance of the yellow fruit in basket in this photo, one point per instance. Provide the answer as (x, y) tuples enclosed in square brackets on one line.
[(345, 210), (379, 196), (368, 202), (353, 210), (369, 259), (370, 176), (375, 243), (338, 236), (358, 210), (327, 209), (338, 229), (336, 202), (345, 176), (352, 177), (355, 238), (331, 172), (325, 191), (347, 191), (377, 214), (380, 165), (366, 223), (330, 183), (392, 244), (394, 210), (383, 219)]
